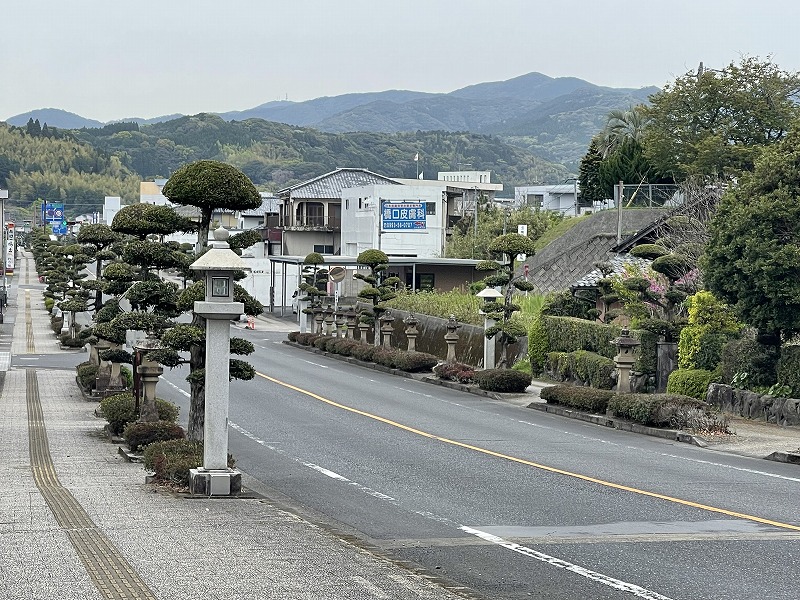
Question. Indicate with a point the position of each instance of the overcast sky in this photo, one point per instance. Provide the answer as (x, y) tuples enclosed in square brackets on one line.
[(110, 59)]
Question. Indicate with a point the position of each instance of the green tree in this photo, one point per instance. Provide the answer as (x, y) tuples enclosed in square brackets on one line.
[(97, 240), (752, 261), (714, 123), (506, 249), (211, 185), (591, 189), (623, 126)]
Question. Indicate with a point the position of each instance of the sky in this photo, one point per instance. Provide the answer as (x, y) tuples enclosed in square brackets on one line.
[(112, 59)]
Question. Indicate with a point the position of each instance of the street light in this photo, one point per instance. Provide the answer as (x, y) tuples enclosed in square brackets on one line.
[(219, 264)]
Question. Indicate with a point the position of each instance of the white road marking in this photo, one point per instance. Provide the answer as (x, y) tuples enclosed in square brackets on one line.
[(316, 364), (746, 470), (611, 582)]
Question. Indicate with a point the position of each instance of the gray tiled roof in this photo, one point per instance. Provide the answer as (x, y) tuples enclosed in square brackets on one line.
[(330, 185), (617, 262)]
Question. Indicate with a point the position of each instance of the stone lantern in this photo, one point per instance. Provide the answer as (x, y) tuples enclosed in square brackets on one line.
[(319, 317), (411, 331), (386, 329), (451, 337), (350, 317), (219, 264), (339, 321), (328, 319), (490, 297), (624, 359), (148, 373)]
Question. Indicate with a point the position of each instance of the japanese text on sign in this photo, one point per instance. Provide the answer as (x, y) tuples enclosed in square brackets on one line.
[(402, 215)]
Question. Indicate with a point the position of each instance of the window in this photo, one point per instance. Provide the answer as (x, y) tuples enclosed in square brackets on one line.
[(535, 200), (315, 214), (323, 249), (347, 203), (424, 281), (430, 208)]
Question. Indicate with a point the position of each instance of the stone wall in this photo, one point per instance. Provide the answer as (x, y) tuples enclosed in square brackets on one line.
[(783, 411)]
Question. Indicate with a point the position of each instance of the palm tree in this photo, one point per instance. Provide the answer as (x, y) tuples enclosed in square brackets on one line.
[(622, 125)]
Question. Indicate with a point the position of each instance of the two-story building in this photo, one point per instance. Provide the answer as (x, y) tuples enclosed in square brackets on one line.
[(311, 212)]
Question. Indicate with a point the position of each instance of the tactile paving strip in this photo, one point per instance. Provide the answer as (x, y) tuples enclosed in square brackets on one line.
[(111, 573)]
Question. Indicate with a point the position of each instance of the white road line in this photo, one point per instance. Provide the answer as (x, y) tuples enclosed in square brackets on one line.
[(316, 364), (180, 390), (611, 582), (744, 469)]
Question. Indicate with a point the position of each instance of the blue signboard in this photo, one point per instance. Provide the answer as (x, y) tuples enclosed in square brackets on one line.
[(402, 216), (53, 212)]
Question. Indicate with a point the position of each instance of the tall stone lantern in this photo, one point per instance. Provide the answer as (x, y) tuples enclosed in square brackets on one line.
[(490, 296), (214, 478)]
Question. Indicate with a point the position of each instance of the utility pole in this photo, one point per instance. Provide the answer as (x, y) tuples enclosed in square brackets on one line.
[(620, 192)]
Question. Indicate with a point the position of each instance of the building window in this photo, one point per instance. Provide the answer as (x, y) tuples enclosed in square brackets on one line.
[(430, 208), (323, 249), (535, 200), (347, 203), (315, 214)]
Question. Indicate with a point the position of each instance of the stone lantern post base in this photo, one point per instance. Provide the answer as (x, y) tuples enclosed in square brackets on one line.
[(215, 482)]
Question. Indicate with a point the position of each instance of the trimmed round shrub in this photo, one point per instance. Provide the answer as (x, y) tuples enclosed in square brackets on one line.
[(363, 352), (171, 460), (138, 435), (385, 356), (583, 398), (87, 375), (120, 409), (789, 369), (415, 362), (460, 372), (321, 340), (648, 251), (502, 380), (71, 342), (343, 346), (689, 382), (293, 336), (650, 409)]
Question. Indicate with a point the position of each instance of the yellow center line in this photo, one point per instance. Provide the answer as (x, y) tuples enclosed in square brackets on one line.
[(529, 463)]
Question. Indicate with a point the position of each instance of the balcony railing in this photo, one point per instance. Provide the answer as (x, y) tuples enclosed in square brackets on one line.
[(314, 222)]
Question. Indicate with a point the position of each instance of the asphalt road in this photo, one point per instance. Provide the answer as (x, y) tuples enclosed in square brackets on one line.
[(505, 501)]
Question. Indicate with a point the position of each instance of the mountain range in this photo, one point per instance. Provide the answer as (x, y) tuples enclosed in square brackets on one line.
[(554, 118)]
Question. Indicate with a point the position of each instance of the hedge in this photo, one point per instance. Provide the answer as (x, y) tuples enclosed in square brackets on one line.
[(171, 460), (502, 380), (567, 334), (651, 409), (582, 398), (138, 435), (690, 382), (120, 409), (455, 372), (588, 368)]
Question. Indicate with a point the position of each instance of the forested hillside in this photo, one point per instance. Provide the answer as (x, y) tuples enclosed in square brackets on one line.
[(55, 166), (274, 155)]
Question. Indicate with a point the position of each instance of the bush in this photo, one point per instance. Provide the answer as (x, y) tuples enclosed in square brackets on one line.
[(455, 372), (343, 346), (746, 355), (789, 369), (385, 356), (689, 382), (415, 362), (120, 409), (583, 398), (127, 375), (68, 341), (502, 380), (293, 336), (87, 375), (171, 460), (320, 341), (49, 303), (363, 352), (138, 435), (538, 345), (56, 323), (650, 409), (585, 367)]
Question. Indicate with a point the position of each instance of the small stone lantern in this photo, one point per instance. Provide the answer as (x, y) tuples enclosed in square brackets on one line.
[(219, 264), (451, 337), (328, 319), (319, 317), (411, 331), (625, 359), (351, 316), (148, 373), (490, 297), (386, 329), (339, 322)]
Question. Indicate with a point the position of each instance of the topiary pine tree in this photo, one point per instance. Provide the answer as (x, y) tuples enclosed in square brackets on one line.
[(378, 289), (506, 248)]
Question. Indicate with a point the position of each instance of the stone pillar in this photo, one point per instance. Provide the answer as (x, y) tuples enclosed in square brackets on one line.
[(363, 330), (489, 360), (302, 315), (666, 363), (386, 329), (411, 331), (215, 432), (451, 337)]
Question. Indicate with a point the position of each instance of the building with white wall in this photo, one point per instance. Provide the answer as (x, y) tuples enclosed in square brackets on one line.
[(562, 198)]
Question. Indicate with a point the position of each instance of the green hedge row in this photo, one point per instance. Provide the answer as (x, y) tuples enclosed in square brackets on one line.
[(587, 368), (657, 410), (394, 358), (120, 409), (567, 334), (690, 382)]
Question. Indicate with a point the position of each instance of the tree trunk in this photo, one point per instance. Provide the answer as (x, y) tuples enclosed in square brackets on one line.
[(197, 401)]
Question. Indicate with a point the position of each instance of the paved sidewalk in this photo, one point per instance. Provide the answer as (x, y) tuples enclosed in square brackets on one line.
[(78, 522)]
